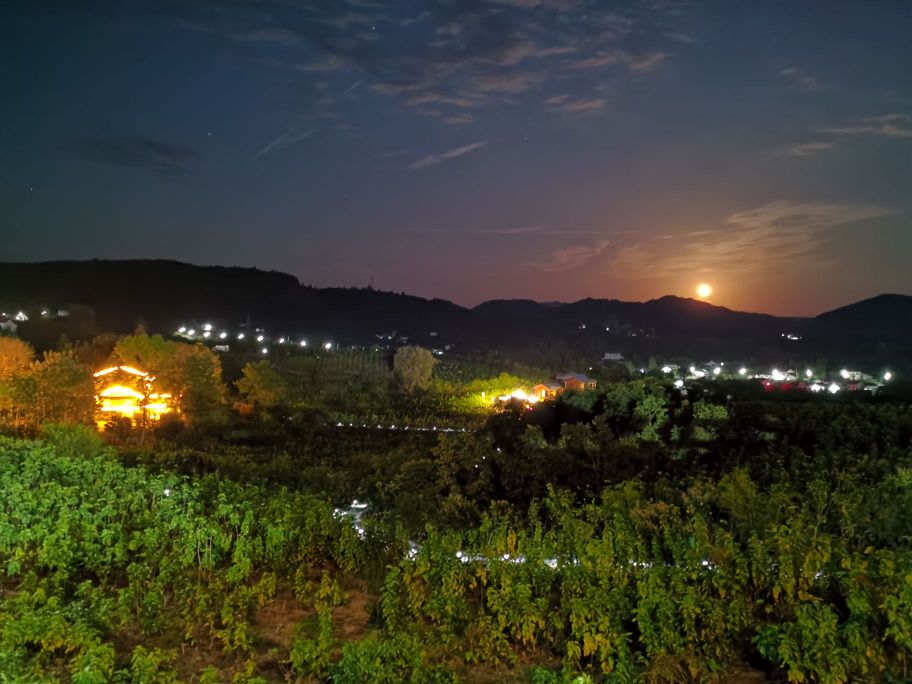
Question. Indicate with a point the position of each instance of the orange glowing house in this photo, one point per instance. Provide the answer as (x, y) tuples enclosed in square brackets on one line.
[(127, 392)]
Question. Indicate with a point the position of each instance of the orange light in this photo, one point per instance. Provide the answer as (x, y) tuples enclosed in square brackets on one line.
[(704, 290), (120, 392)]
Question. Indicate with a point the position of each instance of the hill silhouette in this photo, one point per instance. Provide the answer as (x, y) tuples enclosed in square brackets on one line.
[(162, 294)]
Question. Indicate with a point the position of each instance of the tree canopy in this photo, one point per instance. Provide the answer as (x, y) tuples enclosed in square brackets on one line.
[(414, 367)]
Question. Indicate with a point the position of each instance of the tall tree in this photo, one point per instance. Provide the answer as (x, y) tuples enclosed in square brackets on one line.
[(55, 389), (261, 386), (200, 385), (15, 355), (414, 367), (192, 373)]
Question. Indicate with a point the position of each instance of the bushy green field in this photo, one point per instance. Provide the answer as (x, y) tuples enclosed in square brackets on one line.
[(111, 573)]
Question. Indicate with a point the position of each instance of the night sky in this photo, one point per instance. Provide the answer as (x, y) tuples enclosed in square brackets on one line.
[(471, 149)]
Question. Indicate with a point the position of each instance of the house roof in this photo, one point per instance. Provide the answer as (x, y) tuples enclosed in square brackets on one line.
[(563, 377), (126, 369)]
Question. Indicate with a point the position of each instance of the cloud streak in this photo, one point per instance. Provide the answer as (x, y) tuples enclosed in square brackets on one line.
[(288, 138), (570, 257), (433, 159), (759, 242), (890, 125), (807, 149), (801, 80), (137, 153)]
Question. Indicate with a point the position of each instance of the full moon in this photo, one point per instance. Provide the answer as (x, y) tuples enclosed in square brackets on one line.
[(704, 290)]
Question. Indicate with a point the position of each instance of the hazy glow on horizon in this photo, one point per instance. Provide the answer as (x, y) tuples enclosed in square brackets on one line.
[(704, 290)]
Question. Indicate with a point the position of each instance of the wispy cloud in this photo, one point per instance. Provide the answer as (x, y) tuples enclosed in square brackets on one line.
[(753, 243), (460, 119), (639, 62), (457, 54), (801, 80), (433, 159), (266, 33), (138, 153), (584, 105), (569, 257), (807, 149), (514, 230), (892, 125), (289, 137)]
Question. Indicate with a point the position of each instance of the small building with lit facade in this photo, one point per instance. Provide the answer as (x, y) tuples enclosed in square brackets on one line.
[(127, 392), (547, 390), (576, 381), (561, 383)]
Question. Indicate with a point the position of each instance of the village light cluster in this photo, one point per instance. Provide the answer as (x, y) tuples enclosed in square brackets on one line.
[(776, 379), (208, 332)]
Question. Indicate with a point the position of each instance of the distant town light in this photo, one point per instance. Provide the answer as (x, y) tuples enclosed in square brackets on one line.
[(888, 376), (844, 373), (281, 340), (832, 389), (666, 369), (191, 332), (328, 345), (778, 375), (742, 371), (303, 343), (264, 350), (260, 338), (679, 383), (816, 387), (717, 370), (207, 326), (223, 335), (182, 329), (207, 334), (809, 373), (240, 336)]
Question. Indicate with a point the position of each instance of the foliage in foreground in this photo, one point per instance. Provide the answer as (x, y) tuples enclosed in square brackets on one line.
[(108, 571)]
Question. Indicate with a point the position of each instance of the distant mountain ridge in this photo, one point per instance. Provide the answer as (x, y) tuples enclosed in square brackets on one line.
[(162, 294)]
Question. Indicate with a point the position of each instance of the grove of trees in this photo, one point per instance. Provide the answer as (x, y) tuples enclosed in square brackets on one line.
[(636, 533)]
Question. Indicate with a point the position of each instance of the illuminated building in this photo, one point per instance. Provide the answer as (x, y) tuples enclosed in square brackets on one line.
[(127, 392)]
